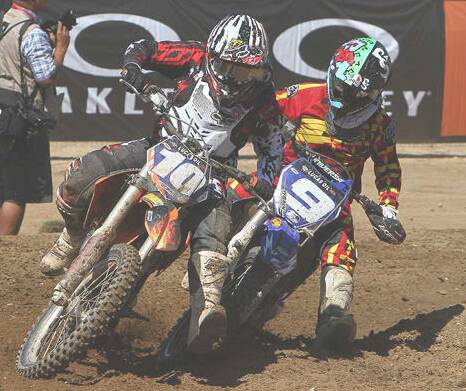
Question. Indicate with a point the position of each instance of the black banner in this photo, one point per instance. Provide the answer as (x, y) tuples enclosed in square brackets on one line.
[(303, 34)]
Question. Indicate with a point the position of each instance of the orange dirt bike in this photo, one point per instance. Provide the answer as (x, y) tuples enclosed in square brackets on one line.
[(130, 234)]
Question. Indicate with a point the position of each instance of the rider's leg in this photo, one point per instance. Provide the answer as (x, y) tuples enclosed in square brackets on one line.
[(208, 268), (75, 192), (66, 247), (241, 213), (336, 326)]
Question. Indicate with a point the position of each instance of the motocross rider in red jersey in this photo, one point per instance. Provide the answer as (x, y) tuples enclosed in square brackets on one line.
[(224, 88), (344, 119)]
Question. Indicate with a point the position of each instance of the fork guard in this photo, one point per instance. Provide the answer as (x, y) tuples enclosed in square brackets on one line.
[(162, 222)]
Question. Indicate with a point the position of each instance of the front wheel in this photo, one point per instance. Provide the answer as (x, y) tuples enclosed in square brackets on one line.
[(62, 333)]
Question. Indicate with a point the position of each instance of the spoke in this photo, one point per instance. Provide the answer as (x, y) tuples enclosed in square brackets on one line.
[(60, 336), (48, 342), (102, 285), (91, 287), (84, 301), (98, 283), (53, 339)]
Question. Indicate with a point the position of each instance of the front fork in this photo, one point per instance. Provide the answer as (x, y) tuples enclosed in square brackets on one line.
[(241, 240), (101, 240)]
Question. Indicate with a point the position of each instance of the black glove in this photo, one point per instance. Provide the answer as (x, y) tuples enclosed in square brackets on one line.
[(264, 189), (132, 74), (388, 230)]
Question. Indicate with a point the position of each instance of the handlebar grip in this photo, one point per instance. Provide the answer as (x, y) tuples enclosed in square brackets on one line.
[(388, 230), (374, 209)]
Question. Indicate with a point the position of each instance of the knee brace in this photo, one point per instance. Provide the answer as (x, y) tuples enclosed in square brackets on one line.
[(73, 216)]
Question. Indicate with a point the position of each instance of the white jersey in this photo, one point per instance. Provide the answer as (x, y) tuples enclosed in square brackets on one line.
[(214, 125)]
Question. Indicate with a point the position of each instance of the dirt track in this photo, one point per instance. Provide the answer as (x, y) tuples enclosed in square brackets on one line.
[(409, 304)]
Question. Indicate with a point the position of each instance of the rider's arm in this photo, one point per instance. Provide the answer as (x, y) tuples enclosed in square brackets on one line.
[(267, 139), (173, 59), (386, 165), (269, 153)]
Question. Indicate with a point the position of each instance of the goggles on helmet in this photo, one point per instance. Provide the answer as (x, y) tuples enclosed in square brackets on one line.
[(348, 99), (235, 73)]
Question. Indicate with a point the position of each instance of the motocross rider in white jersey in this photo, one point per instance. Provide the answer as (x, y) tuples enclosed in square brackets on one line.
[(224, 88)]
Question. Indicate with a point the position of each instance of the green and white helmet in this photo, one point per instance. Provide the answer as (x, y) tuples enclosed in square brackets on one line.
[(358, 73)]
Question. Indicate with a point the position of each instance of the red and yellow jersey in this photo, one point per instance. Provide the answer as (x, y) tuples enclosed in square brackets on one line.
[(306, 105)]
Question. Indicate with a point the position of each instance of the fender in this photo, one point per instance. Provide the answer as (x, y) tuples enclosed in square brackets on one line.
[(104, 198), (279, 245), (162, 222)]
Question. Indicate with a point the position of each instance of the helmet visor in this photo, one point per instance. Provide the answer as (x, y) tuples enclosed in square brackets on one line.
[(351, 99), (235, 73)]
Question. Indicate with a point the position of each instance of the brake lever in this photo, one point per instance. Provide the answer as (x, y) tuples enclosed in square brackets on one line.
[(150, 94), (133, 89), (158, 105)]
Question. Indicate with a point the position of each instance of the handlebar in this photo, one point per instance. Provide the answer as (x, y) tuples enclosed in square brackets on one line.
[(155, 96), (388, 230)]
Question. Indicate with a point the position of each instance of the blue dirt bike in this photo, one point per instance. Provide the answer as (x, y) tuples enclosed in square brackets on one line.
[(275, 250)]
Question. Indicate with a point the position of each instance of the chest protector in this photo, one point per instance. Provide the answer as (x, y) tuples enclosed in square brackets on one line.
[(214, 126)]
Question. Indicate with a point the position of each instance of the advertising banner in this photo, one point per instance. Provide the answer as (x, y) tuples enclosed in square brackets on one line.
[(303, 34)]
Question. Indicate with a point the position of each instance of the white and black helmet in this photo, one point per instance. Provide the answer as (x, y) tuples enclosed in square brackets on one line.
[(238, 57), (241, 39)]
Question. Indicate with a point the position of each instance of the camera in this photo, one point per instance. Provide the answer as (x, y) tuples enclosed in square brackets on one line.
[(67, 18)]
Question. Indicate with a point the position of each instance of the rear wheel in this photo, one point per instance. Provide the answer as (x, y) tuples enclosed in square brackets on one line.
[(62, 333)]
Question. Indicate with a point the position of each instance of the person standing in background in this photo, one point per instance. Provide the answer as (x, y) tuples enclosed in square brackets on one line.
[(29, 64)]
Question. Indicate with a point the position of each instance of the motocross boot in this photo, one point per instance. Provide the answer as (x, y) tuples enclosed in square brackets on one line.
[(336, 327), (61, 254), (66, 247), (208, 322)]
